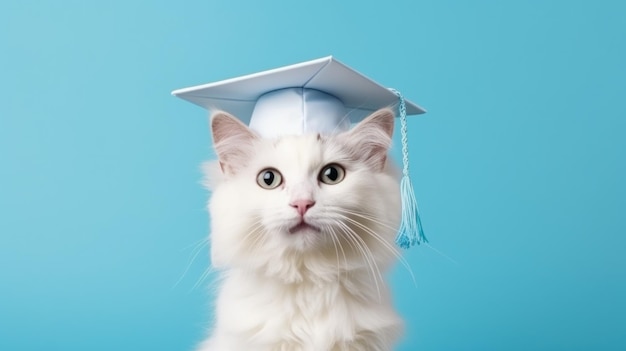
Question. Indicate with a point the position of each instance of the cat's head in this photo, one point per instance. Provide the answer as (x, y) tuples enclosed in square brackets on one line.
[(299, 199)]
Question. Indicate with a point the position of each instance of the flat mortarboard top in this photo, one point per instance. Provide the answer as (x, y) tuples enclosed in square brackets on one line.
[(323, 96)]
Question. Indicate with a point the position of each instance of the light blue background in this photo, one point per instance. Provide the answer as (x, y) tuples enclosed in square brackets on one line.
[(519, 165)]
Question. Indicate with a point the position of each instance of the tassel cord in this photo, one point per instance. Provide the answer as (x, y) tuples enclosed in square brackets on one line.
[(411, 231)]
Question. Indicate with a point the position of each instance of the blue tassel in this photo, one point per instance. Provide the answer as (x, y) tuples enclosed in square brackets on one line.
[(411, 231)]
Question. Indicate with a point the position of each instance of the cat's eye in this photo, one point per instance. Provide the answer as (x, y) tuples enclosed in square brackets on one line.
[(332, 174), (269, 178)]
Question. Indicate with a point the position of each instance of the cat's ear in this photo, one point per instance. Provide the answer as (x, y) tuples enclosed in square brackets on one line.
[(232, 140), (371, 138)]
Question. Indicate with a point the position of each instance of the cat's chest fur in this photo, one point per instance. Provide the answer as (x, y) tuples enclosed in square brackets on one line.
[(259, 313)]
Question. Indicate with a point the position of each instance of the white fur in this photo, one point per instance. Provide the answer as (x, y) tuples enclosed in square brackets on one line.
[(308, 291)]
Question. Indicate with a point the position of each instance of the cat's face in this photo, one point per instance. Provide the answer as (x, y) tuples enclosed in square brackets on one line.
[(311, 194)]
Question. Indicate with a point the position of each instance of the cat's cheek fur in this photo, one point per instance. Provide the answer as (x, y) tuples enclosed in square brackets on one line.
[(235, 220)]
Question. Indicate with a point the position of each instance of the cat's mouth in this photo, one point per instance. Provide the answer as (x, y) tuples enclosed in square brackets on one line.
[(303, 227)]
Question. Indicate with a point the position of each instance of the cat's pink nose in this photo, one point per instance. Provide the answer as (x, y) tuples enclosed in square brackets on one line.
[(302, 206)]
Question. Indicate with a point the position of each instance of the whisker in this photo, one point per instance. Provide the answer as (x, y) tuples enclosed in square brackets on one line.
[(441, 253), (195, 244), (367, 255), (387, 245), (204, 275), (369, 217), (252, 229), (197, 250), (333, 237)]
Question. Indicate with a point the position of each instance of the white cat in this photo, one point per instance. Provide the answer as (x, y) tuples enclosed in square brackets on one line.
[(302, 229)]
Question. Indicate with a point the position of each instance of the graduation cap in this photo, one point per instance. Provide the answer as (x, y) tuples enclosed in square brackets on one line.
[(321, 96)]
